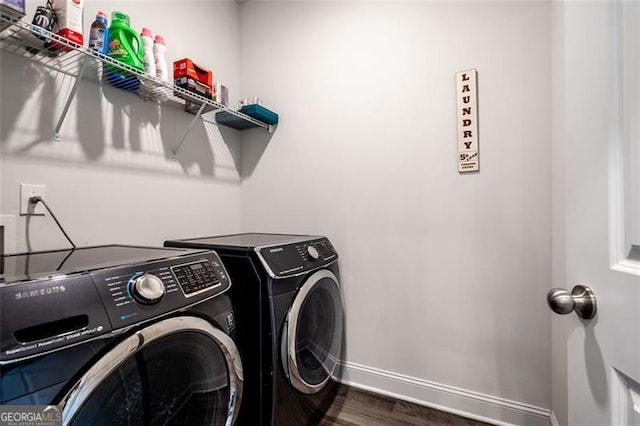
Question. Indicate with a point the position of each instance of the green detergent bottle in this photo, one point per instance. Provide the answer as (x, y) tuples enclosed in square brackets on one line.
[(125, 45)]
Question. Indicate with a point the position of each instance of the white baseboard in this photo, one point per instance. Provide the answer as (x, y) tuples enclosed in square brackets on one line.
[(554, 420), (473, 405)]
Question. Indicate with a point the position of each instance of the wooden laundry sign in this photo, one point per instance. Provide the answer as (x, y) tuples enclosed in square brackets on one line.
[(467, 93)]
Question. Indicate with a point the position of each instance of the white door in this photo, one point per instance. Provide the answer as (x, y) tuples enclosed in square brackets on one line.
[(596, 68)]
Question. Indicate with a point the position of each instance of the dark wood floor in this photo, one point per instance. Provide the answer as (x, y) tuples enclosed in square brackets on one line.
[(355, 407)]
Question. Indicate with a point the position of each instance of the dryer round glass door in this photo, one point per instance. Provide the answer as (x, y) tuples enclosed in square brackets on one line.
[(312, 333), (179, 371)]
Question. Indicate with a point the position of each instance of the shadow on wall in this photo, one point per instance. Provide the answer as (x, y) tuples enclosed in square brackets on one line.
[(90, 126), (107, 126), (594, 361), (14, 93), (254, 144), (192, 154)]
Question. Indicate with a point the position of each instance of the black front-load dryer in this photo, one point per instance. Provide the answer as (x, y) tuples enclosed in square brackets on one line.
[(120, 335), (290, 323)]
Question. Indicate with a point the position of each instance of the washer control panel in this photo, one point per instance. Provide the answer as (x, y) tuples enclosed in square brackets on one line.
[(199, 276), (145, 291), (296, 258)]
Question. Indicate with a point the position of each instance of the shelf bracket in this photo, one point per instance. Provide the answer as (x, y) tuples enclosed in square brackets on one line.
[(188, 130), (74, 89)]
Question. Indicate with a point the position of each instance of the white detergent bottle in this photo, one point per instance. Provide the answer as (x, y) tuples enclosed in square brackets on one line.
[(159, 49), (149, 59)]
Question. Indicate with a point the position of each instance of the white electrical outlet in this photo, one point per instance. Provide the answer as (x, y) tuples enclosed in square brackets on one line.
[(27, 191)]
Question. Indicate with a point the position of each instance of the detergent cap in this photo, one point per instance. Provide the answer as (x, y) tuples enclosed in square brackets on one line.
[(146, 32), (101, 17), (159, 39), (122, 17)]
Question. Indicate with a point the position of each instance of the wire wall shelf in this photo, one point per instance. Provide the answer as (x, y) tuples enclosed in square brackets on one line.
[(63, 56)]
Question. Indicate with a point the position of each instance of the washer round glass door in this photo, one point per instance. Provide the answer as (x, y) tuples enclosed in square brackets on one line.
[(179, 371), (312, 333)]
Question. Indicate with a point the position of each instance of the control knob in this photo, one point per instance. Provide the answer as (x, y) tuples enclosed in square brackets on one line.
[(147, 289), (313, 252)]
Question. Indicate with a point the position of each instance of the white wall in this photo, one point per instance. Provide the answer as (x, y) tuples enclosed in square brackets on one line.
[(111, 177), (444, 274)]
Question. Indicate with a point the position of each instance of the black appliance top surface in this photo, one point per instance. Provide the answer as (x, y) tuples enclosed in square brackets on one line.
[(249, 240), (281, 255), (37, 265)]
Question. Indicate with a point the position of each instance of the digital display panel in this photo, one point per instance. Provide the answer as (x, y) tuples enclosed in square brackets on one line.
[(195, 277)]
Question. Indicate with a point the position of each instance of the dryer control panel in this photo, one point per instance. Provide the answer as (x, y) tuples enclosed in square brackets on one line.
[(296, 258)]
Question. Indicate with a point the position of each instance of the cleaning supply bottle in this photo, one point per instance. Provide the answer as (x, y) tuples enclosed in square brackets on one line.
[(43, 22), (162, 72), (149, 60), (98, 42), (159, 50), (98, 35), (125, 46)]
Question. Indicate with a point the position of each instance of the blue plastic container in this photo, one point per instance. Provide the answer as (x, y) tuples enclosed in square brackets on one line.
[(260, 113)]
